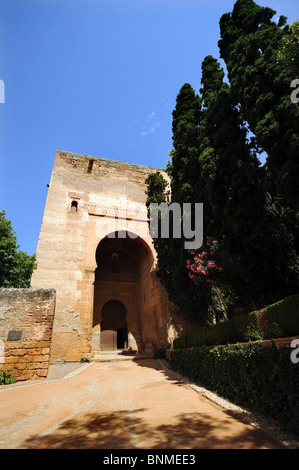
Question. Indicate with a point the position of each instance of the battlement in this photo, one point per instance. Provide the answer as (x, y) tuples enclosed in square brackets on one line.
[(78, 159)]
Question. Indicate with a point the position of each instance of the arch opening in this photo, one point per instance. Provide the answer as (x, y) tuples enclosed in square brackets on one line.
[(74, 206), (122, 280)]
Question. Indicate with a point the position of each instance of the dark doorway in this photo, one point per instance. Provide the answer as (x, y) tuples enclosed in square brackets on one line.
[(122, 338), (114, 318)]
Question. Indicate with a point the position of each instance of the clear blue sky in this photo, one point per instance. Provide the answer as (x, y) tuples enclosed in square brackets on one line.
[(97, 77)]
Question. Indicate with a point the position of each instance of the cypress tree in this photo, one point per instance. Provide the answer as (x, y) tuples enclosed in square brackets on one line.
[(183, 167), (288, 53), (214, 162), (236, 203), (184, 172), (233, 196), (250, 44)]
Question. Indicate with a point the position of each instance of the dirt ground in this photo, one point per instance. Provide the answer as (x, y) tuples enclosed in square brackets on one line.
[(134, 404)]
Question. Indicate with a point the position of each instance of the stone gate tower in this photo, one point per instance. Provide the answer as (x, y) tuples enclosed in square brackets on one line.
[(96, 251)]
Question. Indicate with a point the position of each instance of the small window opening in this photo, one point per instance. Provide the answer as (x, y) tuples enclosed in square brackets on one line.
[(90, 165), (74, 206)]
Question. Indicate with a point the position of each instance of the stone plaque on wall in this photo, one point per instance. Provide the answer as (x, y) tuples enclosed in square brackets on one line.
[(14, 335)]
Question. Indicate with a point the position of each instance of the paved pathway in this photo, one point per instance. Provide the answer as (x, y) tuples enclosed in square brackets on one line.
[(118, 405)]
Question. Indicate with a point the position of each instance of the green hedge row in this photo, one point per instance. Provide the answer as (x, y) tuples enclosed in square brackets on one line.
[(260, 378), (274, 321)]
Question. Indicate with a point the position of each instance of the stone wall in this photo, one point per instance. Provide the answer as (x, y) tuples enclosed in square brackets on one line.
[(26, 322), (88, 199)]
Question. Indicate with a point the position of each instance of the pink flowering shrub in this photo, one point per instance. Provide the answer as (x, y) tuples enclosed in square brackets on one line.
[(210, 265)]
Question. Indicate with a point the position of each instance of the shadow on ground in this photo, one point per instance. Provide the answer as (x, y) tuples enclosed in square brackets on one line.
[(128, 430), (168, 373)]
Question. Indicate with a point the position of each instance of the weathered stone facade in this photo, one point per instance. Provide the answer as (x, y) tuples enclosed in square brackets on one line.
[(103, 284), (28, 314)]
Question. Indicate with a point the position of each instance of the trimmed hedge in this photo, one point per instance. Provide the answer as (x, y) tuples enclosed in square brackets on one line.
[(260, 378), (274, 321)]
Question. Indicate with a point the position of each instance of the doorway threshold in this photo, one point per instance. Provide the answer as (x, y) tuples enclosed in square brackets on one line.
[(114, 356)]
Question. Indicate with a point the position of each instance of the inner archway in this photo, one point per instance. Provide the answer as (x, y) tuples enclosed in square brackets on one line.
[(125, 295), (114, 330)]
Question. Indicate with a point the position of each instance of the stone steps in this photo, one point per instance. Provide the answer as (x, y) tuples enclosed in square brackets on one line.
[(107, 356)]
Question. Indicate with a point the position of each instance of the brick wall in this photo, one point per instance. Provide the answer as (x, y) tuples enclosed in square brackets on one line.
[(31, 312)]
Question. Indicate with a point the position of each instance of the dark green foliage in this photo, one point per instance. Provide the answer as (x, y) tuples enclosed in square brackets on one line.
[(230, 174), (84, 359), (260, 83), (288, 53), (215, 163), (160, 354), (230, 332), (184, 170), (156, 189), (16, 266), (262, 379), (6, 378), (184, 167), (274, 321), (280, 319), (181, 342), (236, 203)]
